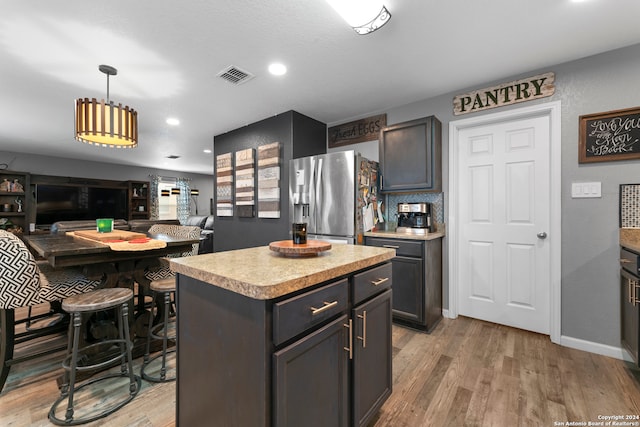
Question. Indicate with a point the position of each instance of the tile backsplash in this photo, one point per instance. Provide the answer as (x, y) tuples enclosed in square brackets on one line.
[(630, 206), (436, 199)]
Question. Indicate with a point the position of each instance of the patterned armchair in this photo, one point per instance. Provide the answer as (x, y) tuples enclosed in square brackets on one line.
[(26, 283)]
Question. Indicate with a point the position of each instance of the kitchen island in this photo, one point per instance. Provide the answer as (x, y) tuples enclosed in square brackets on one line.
[(266, 340)]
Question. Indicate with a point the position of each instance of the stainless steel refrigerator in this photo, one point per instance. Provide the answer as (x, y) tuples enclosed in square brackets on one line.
[(335, 194)]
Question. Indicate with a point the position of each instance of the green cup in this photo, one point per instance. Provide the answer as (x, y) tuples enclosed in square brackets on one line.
[(104, 225)]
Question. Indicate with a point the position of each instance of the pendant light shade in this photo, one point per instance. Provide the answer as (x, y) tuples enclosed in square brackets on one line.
[(104, 123), (364, 16)]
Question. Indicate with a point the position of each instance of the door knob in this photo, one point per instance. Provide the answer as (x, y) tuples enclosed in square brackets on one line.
[(542, 235)]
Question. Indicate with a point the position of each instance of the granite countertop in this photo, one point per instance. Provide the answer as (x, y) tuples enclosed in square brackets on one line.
[(394, 235), (630, 238), (260, 273)]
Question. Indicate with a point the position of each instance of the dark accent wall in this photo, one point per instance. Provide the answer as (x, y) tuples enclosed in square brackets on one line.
[(299, 136)]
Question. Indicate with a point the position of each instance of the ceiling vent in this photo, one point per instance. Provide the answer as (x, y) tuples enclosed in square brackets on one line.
[(235, 75)]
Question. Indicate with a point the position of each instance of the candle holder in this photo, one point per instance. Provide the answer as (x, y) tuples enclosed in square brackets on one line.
[(299, 232), (104, 225)]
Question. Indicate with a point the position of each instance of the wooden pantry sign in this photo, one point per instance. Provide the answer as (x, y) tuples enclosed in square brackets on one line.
[(514, 92)]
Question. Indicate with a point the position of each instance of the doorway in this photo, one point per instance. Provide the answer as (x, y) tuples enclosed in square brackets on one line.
[(504, 218)]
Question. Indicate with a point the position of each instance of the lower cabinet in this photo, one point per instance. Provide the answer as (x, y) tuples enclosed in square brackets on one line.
[(417, 280), (630, 313), (311, 379), (317, 358)]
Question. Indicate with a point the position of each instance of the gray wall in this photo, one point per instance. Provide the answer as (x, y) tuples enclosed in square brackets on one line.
[(45, 165), (590, 252)]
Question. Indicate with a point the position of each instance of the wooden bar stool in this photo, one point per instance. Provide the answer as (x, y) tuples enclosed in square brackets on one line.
[(98, 300), (160, 331)]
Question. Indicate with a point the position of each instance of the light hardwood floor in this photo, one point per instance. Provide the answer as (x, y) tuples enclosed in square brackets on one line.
[(465, 373)]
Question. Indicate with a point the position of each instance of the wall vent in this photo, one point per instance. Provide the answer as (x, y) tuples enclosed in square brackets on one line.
[(235, 75)]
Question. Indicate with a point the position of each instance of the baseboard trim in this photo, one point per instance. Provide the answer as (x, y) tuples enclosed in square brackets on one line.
[(593, 347)]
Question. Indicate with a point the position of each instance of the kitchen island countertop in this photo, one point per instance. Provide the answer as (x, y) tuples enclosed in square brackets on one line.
[(262, 274)]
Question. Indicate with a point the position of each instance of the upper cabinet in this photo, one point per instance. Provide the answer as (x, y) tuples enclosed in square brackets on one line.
[(14, 201), (411, 156), (138, 200)]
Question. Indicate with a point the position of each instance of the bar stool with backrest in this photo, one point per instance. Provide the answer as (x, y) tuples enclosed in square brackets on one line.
[(98, 300), (163, 283), (26, 283)]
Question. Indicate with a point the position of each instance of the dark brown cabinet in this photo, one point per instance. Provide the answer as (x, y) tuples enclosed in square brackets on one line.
[(630, 313), (138, 200), (321, 357), (15, 202), (311, 386), (417, 280), (411, 156)]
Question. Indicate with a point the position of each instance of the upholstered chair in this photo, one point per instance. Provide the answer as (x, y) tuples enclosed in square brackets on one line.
[(25, 282)]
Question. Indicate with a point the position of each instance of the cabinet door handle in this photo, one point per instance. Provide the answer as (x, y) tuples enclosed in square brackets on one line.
[(635, 285), (363, 338), (629, 290), (350, 348), (391, 246), (326, 306), (379, 281)]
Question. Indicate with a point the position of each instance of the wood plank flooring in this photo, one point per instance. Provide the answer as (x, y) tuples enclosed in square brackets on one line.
[(465, 373)]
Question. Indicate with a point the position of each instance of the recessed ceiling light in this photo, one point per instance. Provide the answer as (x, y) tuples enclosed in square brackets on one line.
[(173, 121), (277, 69), (207, 151)]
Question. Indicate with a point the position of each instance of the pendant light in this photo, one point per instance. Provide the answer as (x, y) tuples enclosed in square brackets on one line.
[(364, 16), (105, 124)]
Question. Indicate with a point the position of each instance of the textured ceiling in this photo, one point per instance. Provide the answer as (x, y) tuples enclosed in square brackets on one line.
[(168, 54)]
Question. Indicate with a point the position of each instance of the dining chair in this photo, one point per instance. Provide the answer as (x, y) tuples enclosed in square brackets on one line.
[(24, 283)]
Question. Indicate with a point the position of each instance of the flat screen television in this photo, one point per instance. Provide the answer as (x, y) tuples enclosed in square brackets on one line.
[(78, 202)]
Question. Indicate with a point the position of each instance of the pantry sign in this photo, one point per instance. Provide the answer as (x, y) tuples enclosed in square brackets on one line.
[(528, 89)]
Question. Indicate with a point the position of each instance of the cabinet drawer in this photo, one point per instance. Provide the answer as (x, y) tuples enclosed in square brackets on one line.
[(371, 282), (295, 315), (402, 247)]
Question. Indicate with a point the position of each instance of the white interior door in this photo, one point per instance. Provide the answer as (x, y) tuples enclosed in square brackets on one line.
[(503, 204)]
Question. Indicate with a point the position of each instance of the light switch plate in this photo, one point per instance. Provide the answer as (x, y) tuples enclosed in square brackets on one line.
[(585, 190)]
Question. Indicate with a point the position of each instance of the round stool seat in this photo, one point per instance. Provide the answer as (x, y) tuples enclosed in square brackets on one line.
[(164, 285), (97, 300)]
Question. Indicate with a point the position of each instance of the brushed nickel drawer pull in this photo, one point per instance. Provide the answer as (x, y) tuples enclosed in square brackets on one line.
[(363, 338), (350, 348), (635, 285), (326, 306), (379, 281), (391, 246)]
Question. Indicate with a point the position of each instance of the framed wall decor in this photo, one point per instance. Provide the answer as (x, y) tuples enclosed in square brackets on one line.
[(245, 192), (269, 180), (609, 136), (224, 185)]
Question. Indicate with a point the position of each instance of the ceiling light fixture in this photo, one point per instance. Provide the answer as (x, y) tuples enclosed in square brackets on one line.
[(364, 16), (104, 123), (277, 69), (172, 121)]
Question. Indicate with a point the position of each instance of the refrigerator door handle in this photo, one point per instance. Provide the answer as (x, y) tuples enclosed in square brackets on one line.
[(319, 195)]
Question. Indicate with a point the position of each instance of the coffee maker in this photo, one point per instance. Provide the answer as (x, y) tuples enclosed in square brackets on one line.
[(415, 218)]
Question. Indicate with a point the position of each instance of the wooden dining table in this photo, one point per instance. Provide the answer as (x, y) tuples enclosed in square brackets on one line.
[(121, 268)]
